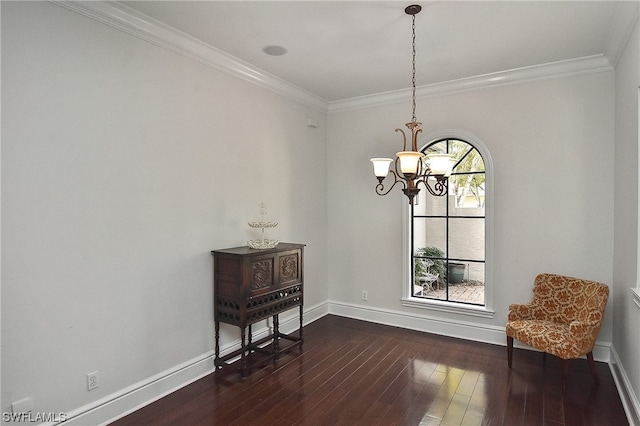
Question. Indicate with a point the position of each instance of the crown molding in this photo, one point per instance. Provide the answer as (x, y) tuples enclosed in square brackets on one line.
[(130, 21), (621, 30), (579, 66)]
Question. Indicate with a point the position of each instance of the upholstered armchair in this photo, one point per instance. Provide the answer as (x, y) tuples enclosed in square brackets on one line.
[(563, 319)]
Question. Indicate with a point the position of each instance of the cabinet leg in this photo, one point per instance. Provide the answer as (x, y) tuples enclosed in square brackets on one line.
[(243, 358), (249, 339), (300, 330), (276, 337), (216, 361)]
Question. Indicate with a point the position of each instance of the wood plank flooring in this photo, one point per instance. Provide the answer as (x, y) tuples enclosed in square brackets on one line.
[(358, 373)]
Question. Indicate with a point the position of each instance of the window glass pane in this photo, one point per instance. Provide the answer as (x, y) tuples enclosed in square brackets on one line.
[(466, 211), (418, 268), (476, 272), (468, 159), (471, 288), (429, 232), (430, 279), (429, 205), (438, 293), (437, 148), (467, 193), (466, 238), (428, 273)]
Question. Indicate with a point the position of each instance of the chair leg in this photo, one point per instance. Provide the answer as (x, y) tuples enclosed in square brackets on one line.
[(565, 374), (509, 350), (592, 367)]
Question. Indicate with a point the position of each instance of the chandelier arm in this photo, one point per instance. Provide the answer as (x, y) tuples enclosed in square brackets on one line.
[(380, 186), (414, 138), (404, 139), (439, 188)]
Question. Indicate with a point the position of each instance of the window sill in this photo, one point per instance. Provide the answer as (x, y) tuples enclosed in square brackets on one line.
[(636, 296), (449, 307)]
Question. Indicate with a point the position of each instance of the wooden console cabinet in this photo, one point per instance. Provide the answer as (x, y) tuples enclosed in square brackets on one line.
[(251, 285)]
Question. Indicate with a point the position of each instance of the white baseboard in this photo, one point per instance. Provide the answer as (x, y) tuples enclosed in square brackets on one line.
[(427, 323), (625, 390), (468, 330), (138, 395), (132, 398)]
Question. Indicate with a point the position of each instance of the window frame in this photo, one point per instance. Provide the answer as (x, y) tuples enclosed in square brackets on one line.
[(635, 291), (486, 311)]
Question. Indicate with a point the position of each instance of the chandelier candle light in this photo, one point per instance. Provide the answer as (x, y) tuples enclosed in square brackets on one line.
[(412, 168)]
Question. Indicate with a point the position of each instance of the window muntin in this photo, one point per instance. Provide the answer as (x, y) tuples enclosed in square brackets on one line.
[(448, 233)]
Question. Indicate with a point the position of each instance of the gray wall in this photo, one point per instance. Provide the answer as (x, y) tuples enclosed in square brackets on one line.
[(552, 146), (626, 315), (123, 165)]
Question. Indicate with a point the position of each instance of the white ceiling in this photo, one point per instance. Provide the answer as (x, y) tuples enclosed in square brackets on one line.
[(344, 49)]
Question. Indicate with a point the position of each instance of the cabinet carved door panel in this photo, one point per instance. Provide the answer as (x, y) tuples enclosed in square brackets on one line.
[(289, 268), (262, 274)]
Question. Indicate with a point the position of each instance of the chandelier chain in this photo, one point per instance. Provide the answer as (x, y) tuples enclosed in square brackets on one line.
[(409, 169), (413, 76)]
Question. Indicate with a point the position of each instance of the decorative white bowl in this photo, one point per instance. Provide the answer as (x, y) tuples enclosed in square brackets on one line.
[(262, 244)]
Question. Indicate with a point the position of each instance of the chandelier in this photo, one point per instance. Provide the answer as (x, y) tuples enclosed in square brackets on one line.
[(412, 168)]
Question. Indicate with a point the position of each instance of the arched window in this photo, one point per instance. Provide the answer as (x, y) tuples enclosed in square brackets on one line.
[(448, 234)]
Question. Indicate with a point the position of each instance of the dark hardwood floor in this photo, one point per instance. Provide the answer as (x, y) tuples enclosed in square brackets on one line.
[(358, 373)]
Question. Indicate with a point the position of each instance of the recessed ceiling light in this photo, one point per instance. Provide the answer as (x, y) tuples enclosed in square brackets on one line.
[(274, 50)]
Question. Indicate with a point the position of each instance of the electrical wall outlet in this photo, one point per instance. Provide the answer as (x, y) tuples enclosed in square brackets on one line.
[(92, 381), (365, 295)]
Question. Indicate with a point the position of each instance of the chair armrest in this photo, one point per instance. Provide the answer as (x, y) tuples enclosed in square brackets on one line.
[(578, 328), (519, 311), (585, 333)]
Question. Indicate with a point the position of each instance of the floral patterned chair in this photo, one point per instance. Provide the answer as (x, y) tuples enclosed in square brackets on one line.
[(563, 319)]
